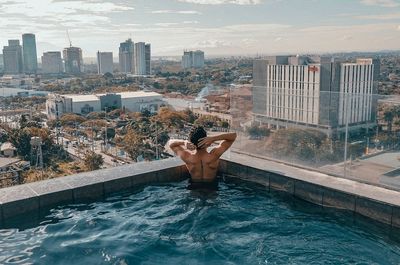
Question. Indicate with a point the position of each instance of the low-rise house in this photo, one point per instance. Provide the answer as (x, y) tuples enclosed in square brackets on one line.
[(7, 149)]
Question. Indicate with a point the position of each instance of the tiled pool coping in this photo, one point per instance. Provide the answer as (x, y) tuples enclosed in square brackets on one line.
[(374, 202)]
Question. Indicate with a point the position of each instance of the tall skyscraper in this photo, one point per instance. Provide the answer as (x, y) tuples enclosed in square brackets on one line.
[(1, 63), (140, 58), (318, 93), (52, 63), (73, 60), (105, 62), (12, 56), (126, 57), (192, 59), (148, 58), (29, 53), (198, 59)]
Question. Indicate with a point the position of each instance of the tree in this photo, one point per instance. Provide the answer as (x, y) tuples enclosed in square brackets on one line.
[(388, 116), (170, 118), (132, 144), (93, 161), (21, 139), (304, 145), (207, 121), (258, 131), (71, 119)]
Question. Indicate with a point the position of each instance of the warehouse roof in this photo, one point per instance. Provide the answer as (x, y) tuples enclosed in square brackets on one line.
[(82, 98)]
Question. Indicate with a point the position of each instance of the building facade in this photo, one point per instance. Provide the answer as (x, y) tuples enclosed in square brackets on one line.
[(192, 59), (1, 63), (57, 105), (140, 58), (12, 57), (148, 58), (126, 57), (105, 62), (29, 53), (317, 92), (73, 60), (52, 63)]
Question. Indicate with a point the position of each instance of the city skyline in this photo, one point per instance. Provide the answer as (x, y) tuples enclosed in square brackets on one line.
[(219, 27)]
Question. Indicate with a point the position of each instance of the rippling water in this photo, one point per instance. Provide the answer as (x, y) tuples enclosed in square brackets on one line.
[(239, 224)]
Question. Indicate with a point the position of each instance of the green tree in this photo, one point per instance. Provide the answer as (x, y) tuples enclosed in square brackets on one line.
[(93, 161), (258, 131), (388, 116)]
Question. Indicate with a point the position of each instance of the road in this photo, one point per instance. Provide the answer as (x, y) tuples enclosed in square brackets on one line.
[(79, 152)]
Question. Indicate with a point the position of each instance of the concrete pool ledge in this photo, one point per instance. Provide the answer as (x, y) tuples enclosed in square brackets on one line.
[(378, 203), (88, 186), (374, 202)]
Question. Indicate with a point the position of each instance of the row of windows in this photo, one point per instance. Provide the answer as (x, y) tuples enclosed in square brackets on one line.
[(356, 80), (292, 93)]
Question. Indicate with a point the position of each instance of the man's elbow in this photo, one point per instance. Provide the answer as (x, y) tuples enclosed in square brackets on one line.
[(234, 136)]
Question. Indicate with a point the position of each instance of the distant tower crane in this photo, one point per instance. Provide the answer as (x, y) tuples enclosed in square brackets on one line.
[(69, 39)]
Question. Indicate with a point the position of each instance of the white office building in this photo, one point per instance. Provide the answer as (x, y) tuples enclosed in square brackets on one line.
[(105, 62), (314, 92), (137, 101), (140, 58)]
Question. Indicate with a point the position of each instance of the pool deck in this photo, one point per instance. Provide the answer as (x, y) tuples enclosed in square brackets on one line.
[(378, 203)]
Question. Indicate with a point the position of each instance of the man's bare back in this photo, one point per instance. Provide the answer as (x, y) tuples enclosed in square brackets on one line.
[(202, 165)]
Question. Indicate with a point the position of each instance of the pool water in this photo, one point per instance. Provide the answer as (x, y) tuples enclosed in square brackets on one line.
[(168, 224)]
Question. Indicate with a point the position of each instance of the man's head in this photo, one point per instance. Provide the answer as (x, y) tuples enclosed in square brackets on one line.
[(196, 134)]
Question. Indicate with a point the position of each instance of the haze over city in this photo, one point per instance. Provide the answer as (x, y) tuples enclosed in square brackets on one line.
[(219, 27)]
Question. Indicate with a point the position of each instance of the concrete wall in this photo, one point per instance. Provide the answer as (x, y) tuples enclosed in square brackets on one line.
[(377, 203)]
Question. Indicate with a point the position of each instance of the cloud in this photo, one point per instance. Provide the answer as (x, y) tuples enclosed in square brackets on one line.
[(166, 24), (222, 2), (212, 44), (182, 12), (380, 16), (41, 8), (383, 3)]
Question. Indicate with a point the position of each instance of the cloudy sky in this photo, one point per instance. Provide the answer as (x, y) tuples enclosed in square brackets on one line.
[(219, 27)]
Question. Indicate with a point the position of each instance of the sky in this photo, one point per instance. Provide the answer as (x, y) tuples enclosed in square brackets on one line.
[(219, 27)]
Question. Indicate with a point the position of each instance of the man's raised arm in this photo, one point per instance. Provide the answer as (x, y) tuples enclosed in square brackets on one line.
[(227, 140), (180, 148)]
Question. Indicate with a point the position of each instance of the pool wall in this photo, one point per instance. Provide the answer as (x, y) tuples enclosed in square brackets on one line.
[(40, 196), (374, 202)]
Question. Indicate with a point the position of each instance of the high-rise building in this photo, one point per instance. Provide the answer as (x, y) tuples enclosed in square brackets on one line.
[(52, 63), (105, 62), (12, 56), (140, 58), (318, 93), (126, 57), (187, 60), (73, 60), (148, 58), (29, 53), (193, 59), (198, 59), (1, 63)]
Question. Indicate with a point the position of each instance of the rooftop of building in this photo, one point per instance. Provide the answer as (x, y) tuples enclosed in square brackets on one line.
[(5, 161), (7, 146), (124, 95)]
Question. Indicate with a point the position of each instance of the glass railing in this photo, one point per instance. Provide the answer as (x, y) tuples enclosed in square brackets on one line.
[(349, 135)]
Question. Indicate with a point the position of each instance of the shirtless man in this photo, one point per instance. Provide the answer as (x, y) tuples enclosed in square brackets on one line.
[(202, 165)]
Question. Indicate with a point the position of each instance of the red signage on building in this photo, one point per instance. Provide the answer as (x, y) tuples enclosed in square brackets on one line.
[(313, 69)]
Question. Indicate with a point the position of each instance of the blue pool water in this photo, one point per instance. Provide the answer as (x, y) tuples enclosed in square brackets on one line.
[(167, 224)]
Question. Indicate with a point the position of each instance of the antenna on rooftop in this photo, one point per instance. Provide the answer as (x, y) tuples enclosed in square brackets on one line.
[(69, 39)]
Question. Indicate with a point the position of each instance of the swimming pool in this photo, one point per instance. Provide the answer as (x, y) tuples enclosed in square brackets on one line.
[(167, 224)]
